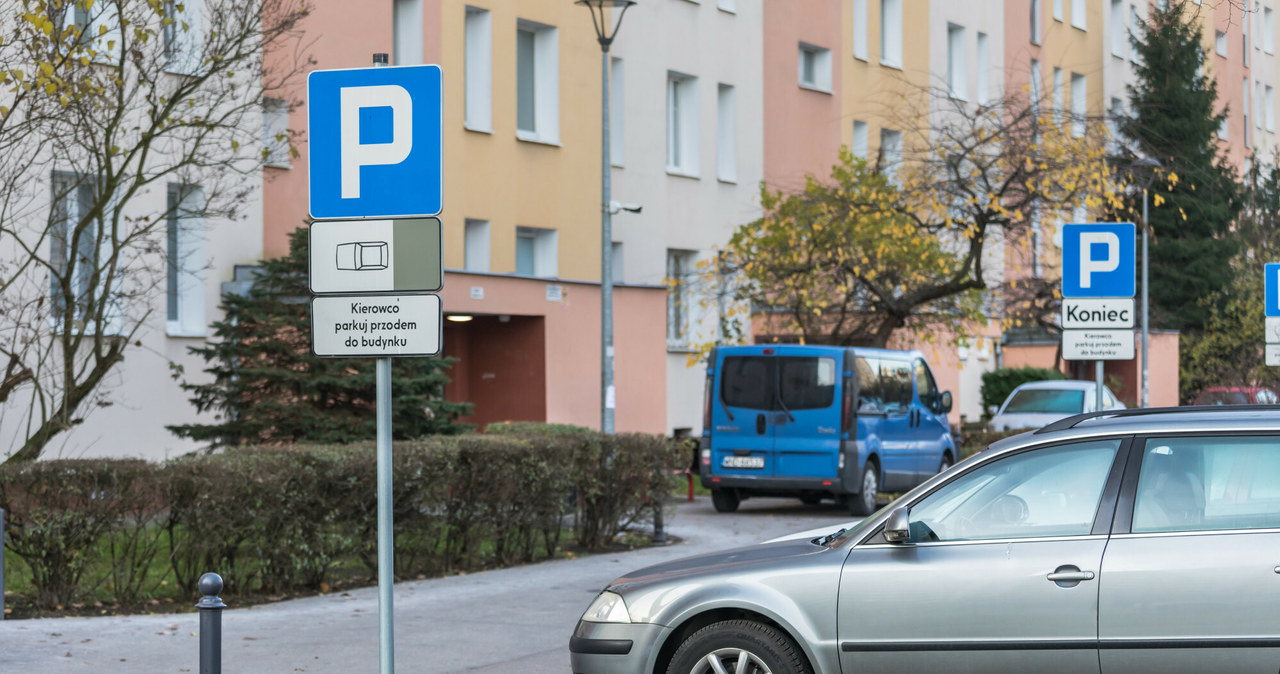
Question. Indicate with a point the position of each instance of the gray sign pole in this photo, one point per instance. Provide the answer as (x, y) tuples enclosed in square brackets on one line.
[(1098, 407), (386, 535)]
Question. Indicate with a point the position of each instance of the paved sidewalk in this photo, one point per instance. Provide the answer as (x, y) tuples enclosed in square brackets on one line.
[(495, 621)]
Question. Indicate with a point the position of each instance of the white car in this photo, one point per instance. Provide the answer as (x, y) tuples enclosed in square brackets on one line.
[(1038, 403)]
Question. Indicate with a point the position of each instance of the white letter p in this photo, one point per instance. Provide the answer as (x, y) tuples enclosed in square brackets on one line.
[(354, 154), (1088, 265)]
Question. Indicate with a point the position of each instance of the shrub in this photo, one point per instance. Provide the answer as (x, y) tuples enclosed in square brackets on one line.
[(998, 384)]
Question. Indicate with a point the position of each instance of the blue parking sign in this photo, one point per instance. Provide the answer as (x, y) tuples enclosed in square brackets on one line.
[(374, 137), (1098, 259), (1271, 283)]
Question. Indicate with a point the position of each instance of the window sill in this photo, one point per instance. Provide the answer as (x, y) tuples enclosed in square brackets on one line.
[(681, 173), (477, 129), (527, 137), (680, 348), (813, 87), (613, 165), (895, 66), (727, 10), (726, 181), (1082, 29), (179, 333), (864, 59), (958, 97), (277, 165)]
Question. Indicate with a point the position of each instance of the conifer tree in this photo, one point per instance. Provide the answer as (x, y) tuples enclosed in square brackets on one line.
[(268, 386), (1194, 200)]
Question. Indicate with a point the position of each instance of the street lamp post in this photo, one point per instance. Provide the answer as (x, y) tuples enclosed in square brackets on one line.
[(1151, 165), (599, 20)]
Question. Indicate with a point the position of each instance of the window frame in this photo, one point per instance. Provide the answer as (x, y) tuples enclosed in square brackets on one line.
[(477, 70), (185, 262), (682, 124), (546, 83), (680, 317), (891, 49)]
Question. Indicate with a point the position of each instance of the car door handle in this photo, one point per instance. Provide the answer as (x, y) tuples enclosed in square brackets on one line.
[(1069, 574), (760, 424)]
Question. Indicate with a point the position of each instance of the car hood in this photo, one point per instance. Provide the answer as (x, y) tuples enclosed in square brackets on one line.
[(727, 562), (1011, 422)]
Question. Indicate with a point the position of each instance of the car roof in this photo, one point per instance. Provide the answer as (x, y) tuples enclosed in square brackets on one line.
[(1066, 384), (1234, 389), (1146, 421)]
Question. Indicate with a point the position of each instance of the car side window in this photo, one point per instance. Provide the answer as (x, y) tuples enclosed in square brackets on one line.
[(870, 397), (1207, 484), (927, 388), (895, 381), (1051, 491)]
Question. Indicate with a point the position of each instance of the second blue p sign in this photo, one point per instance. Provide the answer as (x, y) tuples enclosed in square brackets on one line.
[(374, 136)]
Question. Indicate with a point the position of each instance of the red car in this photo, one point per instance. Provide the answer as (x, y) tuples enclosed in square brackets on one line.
[(1237, 395)]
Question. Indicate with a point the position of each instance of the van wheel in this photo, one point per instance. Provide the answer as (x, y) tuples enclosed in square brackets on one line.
[(946, 463), (738, 646), (864, 502), (725, 500)]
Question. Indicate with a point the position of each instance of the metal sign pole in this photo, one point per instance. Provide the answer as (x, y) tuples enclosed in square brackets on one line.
[(386, 536), (1098, 406)]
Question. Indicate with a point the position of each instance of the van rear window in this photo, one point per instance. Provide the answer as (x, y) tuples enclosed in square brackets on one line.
[(747, 381), (751, 382)]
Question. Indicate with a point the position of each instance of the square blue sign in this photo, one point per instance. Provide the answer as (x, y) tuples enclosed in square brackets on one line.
[(1272, 285), (374, 137), (1098, 259)]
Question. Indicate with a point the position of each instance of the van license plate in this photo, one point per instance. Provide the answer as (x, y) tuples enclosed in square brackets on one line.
[(742, 462)]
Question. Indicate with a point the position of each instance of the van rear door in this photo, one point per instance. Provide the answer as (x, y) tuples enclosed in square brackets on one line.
[(806, 441), (741, 434)]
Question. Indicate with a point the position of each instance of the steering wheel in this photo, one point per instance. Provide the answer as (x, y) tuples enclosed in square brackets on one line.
[(1008, 509)]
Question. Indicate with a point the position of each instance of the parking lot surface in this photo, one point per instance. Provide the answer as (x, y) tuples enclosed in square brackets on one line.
[(494, 621)]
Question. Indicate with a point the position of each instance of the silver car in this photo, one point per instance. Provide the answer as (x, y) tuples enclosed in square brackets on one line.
[(1126, 541)]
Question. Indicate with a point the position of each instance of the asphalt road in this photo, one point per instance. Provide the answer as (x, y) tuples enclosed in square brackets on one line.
[(517, 619)]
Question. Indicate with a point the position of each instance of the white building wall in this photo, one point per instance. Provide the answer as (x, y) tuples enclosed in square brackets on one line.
[(718, 42)]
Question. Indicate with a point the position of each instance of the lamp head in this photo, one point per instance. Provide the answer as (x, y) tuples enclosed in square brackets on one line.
[(597, 8)]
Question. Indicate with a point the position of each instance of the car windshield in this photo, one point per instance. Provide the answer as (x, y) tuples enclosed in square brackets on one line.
[(1223, 398), (1045, 401)]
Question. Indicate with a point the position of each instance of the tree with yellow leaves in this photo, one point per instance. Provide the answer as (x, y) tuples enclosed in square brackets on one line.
[(122, 122), (877, 248)]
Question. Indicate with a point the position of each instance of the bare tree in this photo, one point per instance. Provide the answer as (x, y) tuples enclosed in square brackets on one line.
[(121, 122)]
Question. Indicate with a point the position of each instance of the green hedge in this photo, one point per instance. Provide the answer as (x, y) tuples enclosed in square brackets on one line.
[(277, 519), (998, 384)]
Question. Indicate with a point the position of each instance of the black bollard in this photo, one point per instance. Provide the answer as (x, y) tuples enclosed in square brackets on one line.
[(210, 606)]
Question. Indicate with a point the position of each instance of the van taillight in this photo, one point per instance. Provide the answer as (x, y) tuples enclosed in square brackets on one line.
[(706, 403), (846, 405)]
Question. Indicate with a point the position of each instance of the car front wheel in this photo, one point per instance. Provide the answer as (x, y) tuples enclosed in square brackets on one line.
[(738, 647)]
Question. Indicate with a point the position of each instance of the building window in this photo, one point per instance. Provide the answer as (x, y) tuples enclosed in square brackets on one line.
[(275, 132), (1057, 10), (1136, 25), (1036, 8), (1037, 87), (617, 113), (859, 146), (476, 250), (890, 153), (983, 70), (957, 84), (1079, 105), (860, 29), (537, 82), (1079, 18), (616, 262), (1118, 37), (1245, 108), (814, 65), (478, 71), (1220, 43), (1257, 104), (726, 134), (184, 278), (1113, 122), (407, 32), (682, 124), (1269, 109), (681, 272), (1268, 30), (1222, 129), (183, 37), (1057, 95), (891, 33), (1037, 236), (537, 252), (74, 245)]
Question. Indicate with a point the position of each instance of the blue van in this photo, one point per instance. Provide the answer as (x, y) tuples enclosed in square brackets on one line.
[(818, 422)]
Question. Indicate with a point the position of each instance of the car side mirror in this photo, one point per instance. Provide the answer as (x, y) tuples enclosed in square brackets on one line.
[(993, 409), (897, 529), (946, 402)]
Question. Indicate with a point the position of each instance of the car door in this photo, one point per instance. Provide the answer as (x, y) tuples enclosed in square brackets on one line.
[(1191, 577), (742, 437), (931, 426), (806, 427), (1000, 574), (897, 430)]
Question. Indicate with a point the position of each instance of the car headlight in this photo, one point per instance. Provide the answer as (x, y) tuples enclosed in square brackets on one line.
[(607, 608)]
